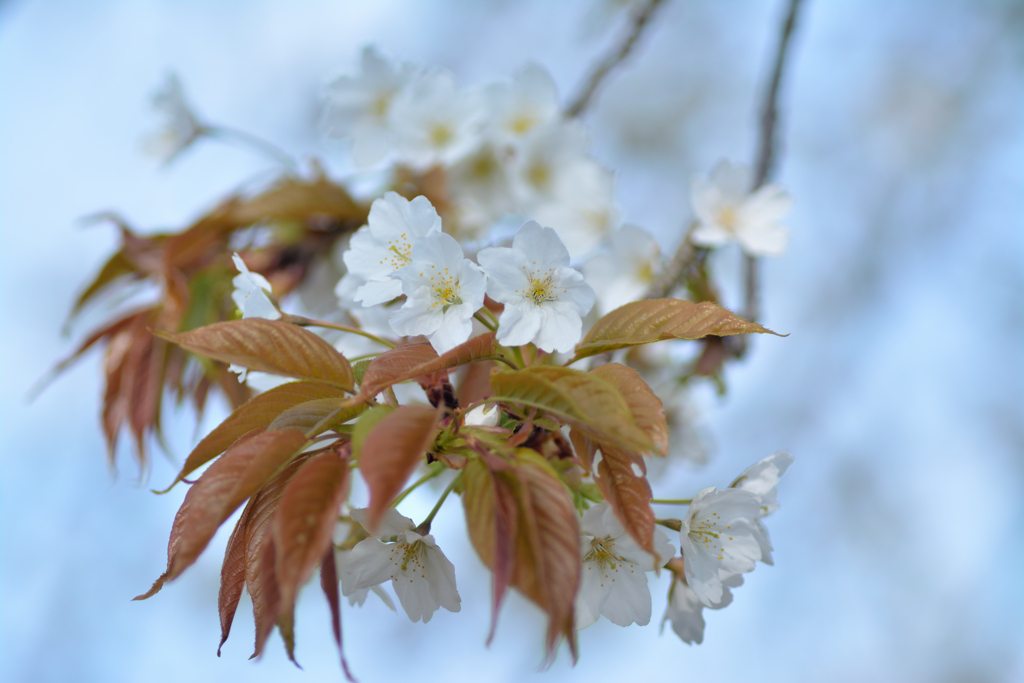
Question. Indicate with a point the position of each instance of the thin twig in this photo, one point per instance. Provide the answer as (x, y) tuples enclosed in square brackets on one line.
[(673, 273), (767, 147), (641, 18)]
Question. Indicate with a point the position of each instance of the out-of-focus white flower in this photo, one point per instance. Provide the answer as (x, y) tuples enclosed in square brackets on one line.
[(358, 597), (685, 610), (422, 577), (761, 478), (385, 244), (483, 416), (719, 538), (528, 102), (544, 156), (582, 207), (614, 581), (545, 300), (626, 272), (727, 211), (443, 290), (181, 127), (480, 188), (252, 293), (360, 106), (436, 122)]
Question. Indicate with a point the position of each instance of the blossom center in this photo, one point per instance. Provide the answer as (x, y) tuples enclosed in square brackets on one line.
[(541, 287), (445, 288), (380, 106), (401, 250), (407, 556), (727, 217), (707, 532), (441, 135), (601, 553), (522, 123)]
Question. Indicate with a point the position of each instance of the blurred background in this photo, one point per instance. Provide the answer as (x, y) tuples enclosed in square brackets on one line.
[(900, 390)]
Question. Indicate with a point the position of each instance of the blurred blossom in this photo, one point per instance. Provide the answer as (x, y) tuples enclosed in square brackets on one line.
[(626, 271), (517, 108), (727, 211), (360, 106), (181, 128), (436, 122)]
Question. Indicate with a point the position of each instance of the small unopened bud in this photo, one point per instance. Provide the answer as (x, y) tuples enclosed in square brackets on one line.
[(483, 416)]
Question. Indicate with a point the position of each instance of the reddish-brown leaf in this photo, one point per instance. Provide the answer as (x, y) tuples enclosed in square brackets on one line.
[(256, 414), (586, 401), (522, 508), (270, 346), (643, 404), (653, 320), (244, 552), (415, 360), (116, 267), (316, 416), (391, 451), (303, 526), (240, 472), (628, 493), (491, 518), (329, 584)]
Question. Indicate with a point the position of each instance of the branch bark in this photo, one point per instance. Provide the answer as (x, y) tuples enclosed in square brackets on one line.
[(616, 56)]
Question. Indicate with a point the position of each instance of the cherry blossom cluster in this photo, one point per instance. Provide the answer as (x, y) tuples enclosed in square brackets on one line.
[(505, 147)]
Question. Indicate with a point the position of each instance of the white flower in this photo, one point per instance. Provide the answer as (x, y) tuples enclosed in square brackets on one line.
[(480, 188), (436, 122), (614, 581), (582, 206), (626, 272), (483, 416), (719, 539), (544, 155), (529, 101), (385, 244), (360, 106), (358, 597), (727, 211), (251, 294), (422, 577), (685, 610), (443, 290), (181, 128), (544, 298), (761, 479)]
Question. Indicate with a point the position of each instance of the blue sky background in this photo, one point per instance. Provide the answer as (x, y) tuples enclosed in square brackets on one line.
[(900, 391)]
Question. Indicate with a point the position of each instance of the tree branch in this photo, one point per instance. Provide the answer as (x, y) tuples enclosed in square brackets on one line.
[(640, 20), (766, 153)]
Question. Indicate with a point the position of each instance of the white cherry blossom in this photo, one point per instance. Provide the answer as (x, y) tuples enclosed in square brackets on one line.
[(719, 538), (443, 290), (582, 206), (360, 106), (626, 271), (436, 122), (545, 300), (528, 102), (181, 127), (483, 416), (544, 155), (385, 244), (481, 189), (252, 293), (727, 211), (761, 478), (422, 577), (685, 610), (614, 580)]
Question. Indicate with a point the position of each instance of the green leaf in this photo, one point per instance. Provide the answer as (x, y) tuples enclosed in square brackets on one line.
[(269, 346), (653, 320), (366, 424), (584, 400)]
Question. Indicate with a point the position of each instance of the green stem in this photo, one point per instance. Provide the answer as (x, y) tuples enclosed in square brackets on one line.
[(308, 322), (424, 528), (433, 470), (519, 356), (673, 524), (672, 501), (256, 143), (485, 322), (501, 359)]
